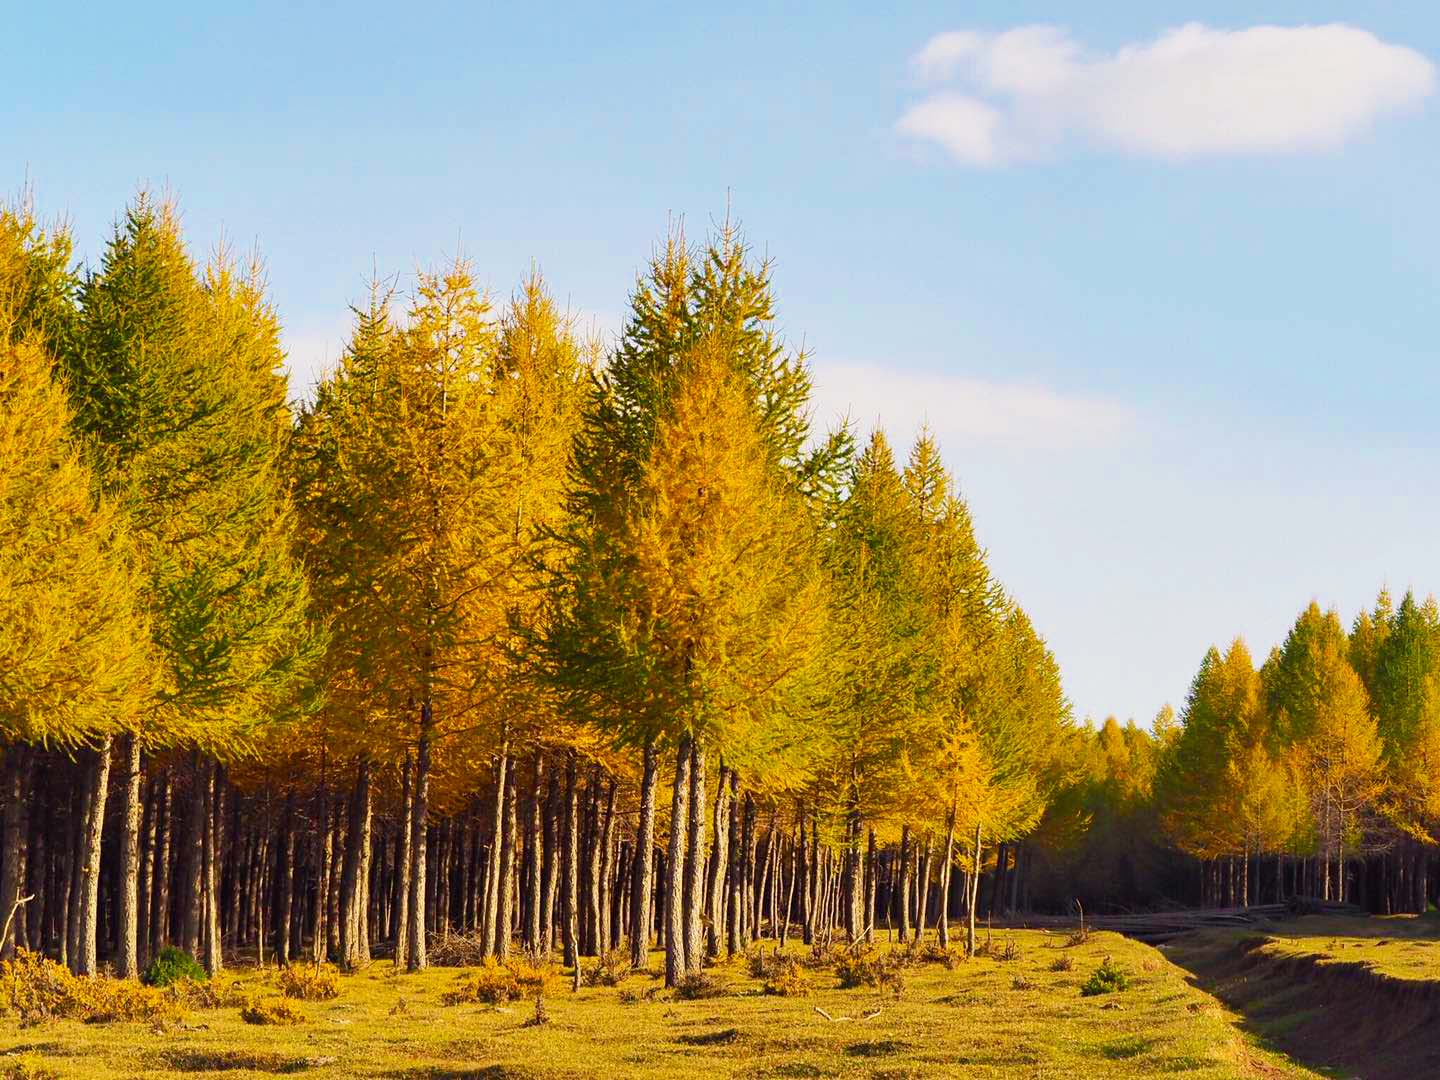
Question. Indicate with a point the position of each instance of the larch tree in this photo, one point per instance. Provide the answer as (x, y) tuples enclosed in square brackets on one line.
[(177, 389), (76, 665)]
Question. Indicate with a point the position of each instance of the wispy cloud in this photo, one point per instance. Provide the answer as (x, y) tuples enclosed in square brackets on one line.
[(1029, 93), (964, 411)]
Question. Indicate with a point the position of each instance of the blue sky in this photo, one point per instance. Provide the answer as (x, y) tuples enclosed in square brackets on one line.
[(1165, 296)]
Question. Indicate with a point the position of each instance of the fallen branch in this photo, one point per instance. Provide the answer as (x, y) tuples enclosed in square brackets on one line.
[(839, 1019), (9, 919)]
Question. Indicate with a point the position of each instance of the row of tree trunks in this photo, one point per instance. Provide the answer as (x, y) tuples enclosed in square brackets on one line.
[(107, 857)]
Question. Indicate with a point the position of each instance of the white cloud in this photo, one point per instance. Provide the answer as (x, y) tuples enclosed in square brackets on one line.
[(1029, 92), (964, 411)]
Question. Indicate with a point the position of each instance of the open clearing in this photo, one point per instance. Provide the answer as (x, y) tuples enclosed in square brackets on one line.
[(987, 1017)]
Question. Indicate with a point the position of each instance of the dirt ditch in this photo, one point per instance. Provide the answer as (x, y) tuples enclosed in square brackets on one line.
[(1319, 1011)]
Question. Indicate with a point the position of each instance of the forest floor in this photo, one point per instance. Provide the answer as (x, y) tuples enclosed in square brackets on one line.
[(1357, 997), (988, 1017)]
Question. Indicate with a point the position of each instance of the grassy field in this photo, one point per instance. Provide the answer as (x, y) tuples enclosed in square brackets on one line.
[(989, 1017), (1402, 946)]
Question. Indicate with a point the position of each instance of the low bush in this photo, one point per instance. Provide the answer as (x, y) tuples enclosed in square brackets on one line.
[(34, 989), (275, 1010), (1062, 963), (609, 969), (786, 978), (700, 985), (494, 983), (1106, 979), (866, 967), (312, 983), (171, 966)]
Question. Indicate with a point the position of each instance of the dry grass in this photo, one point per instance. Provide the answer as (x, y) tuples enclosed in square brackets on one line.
[(985, 1018)]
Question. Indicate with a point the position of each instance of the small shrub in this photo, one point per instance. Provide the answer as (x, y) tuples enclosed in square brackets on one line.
[(494, 983), (935, 953), (28, 1067), (866, 967), (1079, 936), (491, 984), (171, 966), (1106, 979), (789, 981), (700, 985), (276, 1010), (610, 969), (1020, 982), (310, 983), (1062, 963)]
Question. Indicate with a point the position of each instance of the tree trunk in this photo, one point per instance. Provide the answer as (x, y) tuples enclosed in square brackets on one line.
[(675, 960), (643, 868), (403, 918), (505, 890), (607, 866), (570, 866), (94, 827), (210, 907), (715, 889), (160, 888), (127, 961), (490, 932), (415, 952), (695, 861), (905, 883), (974, 894), (535, 847), (17, 759), (354, 937), (945, 872), (551, 870)]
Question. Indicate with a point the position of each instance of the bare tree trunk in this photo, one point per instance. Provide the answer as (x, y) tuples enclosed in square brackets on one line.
[(402, 868), (536, 845), (945, 872), (695, 861), (505, 898), (570, 868), (490, 932), (607, 866), (210, 908), (195, 860), (905, 856), (94, 826), (719, 860), (974, 893), (354, 938), (285, 882), (17, 759), (416, 958), (642, 882), (675, 961), (551, 868), (322, 854), (127, 962)]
